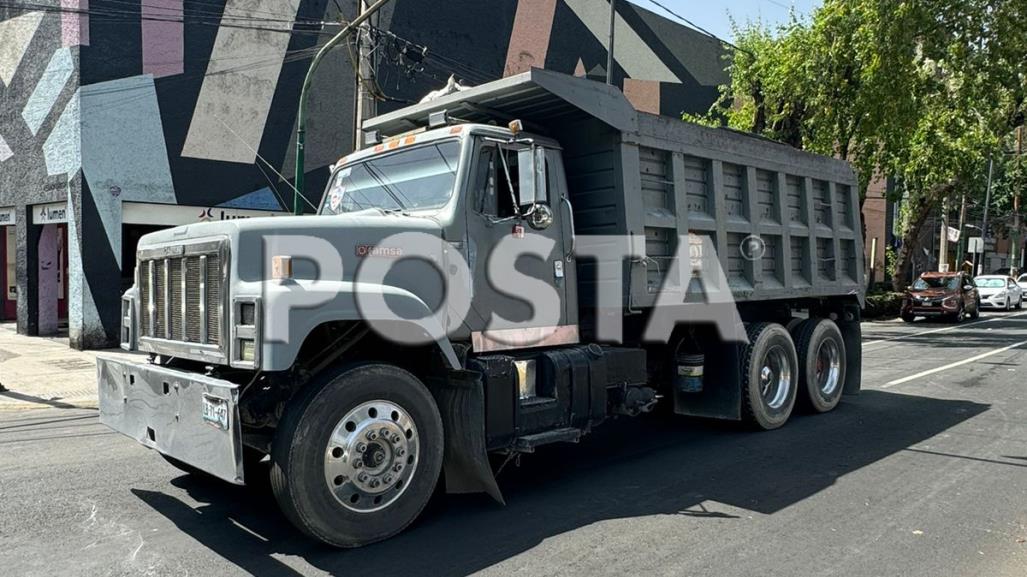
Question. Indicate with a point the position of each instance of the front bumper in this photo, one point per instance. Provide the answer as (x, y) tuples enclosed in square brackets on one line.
[(163, 409), (995, 302)]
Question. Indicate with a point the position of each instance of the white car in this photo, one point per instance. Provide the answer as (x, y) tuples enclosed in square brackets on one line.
[(999, 292), (1022, 281)]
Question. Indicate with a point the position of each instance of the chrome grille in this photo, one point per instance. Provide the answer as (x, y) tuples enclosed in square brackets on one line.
[(181, 297), (192, 299)]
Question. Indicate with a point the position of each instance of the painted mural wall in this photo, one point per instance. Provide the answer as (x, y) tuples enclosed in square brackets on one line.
[(193, 102)]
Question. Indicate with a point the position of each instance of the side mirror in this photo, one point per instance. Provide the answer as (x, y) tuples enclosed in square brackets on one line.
[(531, 168)]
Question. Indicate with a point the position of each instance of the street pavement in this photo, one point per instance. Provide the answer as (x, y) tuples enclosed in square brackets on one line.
[(924, 473), (38, 372)]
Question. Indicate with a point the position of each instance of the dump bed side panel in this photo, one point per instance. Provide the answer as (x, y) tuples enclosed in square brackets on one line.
[(730, 188)]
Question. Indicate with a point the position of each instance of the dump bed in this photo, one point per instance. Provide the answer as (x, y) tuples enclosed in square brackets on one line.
[(784, 223)]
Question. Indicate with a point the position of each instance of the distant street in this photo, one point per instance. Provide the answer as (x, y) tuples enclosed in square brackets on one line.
[(925, 473)]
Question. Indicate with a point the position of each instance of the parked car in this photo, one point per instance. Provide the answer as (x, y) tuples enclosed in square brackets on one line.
[(950, 295), (999, 292), (1022, 281)]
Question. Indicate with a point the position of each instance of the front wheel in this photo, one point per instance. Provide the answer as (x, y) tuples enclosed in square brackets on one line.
[(976, 314), (358, 455), (770, 375), (1019, 303)]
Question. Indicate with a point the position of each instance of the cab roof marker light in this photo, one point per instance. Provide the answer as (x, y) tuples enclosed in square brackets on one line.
[(516, 126), (438, 119), (372, 137)]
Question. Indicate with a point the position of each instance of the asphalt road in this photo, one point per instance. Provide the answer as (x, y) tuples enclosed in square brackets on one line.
[(924, 473)]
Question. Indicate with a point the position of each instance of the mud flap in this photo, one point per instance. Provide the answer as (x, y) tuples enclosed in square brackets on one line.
[(461, 400)]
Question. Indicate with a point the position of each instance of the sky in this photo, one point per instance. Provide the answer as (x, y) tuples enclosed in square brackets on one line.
[(715, 15)]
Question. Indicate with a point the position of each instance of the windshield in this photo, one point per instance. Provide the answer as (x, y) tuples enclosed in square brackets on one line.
[(990, 282), (924, 283), (418, 178)]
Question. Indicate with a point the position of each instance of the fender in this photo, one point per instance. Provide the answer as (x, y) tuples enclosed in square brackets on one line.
[(336, 301)]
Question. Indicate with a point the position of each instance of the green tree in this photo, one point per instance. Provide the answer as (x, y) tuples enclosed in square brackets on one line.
[(921, 90)]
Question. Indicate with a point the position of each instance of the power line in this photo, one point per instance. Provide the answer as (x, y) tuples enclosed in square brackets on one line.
[(695, 26), (129, 17)]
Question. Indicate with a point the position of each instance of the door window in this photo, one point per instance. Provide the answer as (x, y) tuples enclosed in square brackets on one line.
[(499, 178)]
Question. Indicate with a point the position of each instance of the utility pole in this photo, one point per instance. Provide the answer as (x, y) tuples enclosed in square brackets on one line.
[(301, 114), (943, 247), (1014, 251), (979, 262), (609, 50), (962, 223), (367, 105)]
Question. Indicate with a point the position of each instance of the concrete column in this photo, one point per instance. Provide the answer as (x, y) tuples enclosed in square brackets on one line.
[(26, 273), (48, 266)]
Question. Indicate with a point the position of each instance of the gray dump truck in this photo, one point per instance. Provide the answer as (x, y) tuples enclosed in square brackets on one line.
[(728, 266)]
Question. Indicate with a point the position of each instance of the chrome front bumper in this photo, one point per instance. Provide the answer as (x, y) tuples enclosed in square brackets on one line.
[(164, 409)]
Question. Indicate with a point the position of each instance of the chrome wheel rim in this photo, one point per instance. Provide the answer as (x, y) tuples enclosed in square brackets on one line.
[(775, 378), (829, 368), (371, 456)]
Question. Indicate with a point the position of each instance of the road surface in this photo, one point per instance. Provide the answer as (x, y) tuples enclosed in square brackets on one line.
[(924, 473)]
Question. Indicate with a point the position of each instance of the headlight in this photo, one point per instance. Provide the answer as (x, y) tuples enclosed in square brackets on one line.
[(246, 332), (950, 301), (247, 314), (127, 323), (247, 350)]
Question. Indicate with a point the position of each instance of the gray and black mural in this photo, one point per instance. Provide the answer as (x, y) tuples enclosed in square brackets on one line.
[(122, 116)]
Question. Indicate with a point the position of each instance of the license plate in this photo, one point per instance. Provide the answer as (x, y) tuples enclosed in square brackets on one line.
[(215, 411)]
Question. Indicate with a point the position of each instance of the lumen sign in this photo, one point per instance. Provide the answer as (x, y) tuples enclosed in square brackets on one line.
[(53, 213)]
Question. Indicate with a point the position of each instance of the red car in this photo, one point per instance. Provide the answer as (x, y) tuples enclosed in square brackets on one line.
[(952, 295)]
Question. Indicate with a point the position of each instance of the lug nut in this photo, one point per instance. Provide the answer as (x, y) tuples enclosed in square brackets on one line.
[(374, 483), (371, 435), (395, 439), (397, 467), (400, 452), (361, 447), (388, 479), (357, 463), (362, 477)]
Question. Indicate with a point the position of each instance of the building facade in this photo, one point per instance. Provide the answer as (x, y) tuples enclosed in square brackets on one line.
[(119, 118)]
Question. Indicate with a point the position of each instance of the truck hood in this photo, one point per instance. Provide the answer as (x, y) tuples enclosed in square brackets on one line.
[(352, 235)]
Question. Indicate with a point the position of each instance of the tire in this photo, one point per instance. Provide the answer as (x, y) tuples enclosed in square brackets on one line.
[(768, 355), (349, 413), (957, 317), (1019, 303), (977, 310), (821, 354), (908, 318)]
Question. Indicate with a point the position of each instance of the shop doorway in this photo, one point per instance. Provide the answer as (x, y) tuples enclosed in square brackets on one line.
[(52, 263), (130, 235), (8, 285)]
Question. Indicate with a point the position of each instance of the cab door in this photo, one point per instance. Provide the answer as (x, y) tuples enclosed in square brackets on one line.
[(502, 315)]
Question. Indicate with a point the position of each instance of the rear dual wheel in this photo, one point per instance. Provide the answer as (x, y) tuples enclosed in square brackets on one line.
[(770, 376), (821, 352)]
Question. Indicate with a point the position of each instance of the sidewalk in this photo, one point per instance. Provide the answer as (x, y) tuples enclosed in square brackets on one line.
[(40, 372)]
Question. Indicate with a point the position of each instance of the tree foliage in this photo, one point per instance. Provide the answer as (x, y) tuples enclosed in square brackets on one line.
[(921, 90)]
